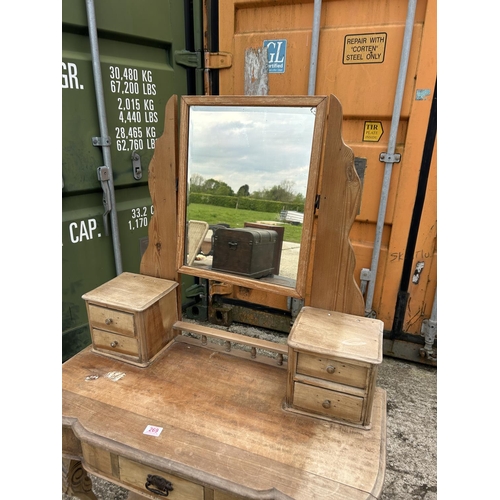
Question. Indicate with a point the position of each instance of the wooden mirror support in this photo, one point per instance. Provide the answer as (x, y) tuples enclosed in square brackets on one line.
[(159, 258), (325, 278), (332, 284)]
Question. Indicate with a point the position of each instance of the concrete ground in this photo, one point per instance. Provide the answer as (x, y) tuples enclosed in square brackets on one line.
[(411, 465)]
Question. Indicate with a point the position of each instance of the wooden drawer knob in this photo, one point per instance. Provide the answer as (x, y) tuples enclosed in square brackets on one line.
[(326, 403), (114, 343), (330, 369), (108, 321)]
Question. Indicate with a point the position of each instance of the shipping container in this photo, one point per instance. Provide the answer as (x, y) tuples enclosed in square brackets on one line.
[(378, 57), (119, 68)]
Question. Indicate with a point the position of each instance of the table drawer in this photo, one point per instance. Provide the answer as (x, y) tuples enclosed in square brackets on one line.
[(111, 320), (332, 370), (114, 343), (136, 475), (326, 402)]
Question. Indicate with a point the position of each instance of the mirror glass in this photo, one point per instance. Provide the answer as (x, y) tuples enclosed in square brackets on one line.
[(247, 185)]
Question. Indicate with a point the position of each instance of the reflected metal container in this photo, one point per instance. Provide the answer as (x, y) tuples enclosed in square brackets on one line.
[(245, 251)]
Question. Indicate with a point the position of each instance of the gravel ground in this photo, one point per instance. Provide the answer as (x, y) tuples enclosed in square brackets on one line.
[(411, 466)]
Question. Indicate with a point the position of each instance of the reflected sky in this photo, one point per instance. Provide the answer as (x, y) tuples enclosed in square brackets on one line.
[(258, 146)]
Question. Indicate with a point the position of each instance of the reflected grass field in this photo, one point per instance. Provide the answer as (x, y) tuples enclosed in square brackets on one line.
[(236, 218)]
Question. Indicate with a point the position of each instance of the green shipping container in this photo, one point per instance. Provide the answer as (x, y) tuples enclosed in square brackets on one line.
[(135, 45)]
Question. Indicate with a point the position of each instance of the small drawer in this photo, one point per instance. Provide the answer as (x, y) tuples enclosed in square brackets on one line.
[(332, 370), (111, 320), (330, 403), (114, 343)]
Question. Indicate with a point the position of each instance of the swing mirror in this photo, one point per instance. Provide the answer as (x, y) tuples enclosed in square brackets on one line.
[(248, 173)]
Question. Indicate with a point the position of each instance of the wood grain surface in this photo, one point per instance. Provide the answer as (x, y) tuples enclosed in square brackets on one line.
[(223, 426)]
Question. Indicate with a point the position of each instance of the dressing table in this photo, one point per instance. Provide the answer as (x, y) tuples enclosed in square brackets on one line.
[(168, 407)]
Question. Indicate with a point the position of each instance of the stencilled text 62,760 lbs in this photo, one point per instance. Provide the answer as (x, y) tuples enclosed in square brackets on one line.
[(135, 107)]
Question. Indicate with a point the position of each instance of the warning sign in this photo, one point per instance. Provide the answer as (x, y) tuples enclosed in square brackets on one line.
[(364, 48), (373, 131)]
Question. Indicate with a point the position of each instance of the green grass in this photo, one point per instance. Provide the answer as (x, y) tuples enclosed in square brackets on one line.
[(236, 218)]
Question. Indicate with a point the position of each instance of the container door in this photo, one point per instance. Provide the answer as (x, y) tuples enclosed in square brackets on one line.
[(137, 43), (359, 53)]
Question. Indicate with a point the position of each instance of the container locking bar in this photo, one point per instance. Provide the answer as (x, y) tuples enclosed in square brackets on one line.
[(103, 176)]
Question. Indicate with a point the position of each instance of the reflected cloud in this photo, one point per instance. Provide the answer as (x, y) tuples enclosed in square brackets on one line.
[(257, 146)]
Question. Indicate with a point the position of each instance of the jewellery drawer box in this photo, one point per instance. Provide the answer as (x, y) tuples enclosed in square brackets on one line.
[(131, 317), (333, 360)]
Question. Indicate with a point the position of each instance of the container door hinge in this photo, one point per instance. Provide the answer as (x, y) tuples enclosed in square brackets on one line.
[(136, 166), (218, 60), (210, 60), (103, 175), (390, 158)]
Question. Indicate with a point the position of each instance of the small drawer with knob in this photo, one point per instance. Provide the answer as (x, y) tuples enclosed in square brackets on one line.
[(332, 369), (333, 360), (327, 402), (131, 317), (115, 344), (111, 320)]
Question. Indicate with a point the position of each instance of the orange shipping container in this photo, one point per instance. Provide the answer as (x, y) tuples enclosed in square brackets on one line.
[(370, 54)]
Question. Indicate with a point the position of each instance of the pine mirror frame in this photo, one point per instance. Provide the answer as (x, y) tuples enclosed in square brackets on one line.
[(320, 104)]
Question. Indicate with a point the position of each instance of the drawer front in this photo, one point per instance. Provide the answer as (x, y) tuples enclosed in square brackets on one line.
[(116, 344), (332, 370), (329, 403), (136, 475), (111, 320)]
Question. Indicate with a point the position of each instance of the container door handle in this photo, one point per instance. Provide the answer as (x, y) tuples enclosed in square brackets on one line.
[(136, 166), (103, 176)]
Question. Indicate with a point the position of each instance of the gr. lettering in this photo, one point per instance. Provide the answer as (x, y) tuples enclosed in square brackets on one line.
[(70, 76)]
